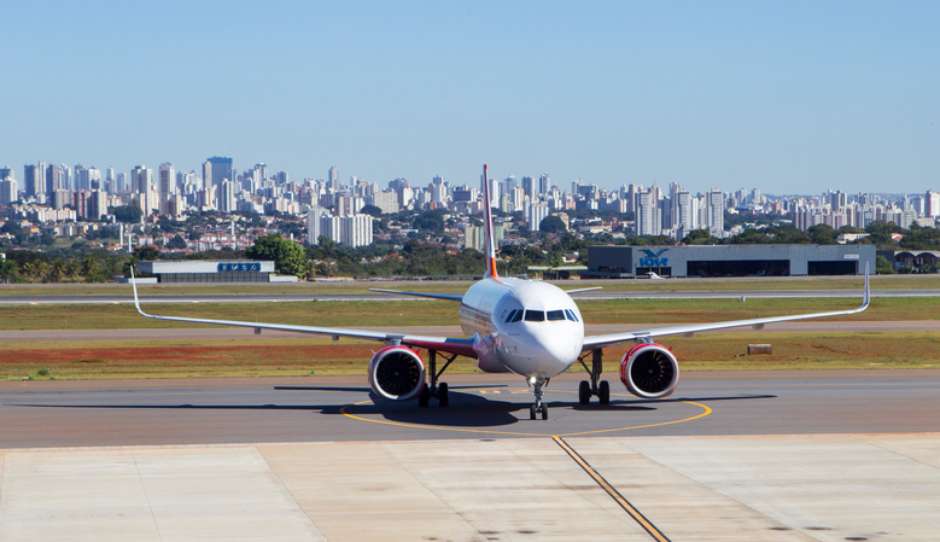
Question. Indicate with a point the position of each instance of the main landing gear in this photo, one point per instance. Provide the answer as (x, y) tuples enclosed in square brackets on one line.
[(596, 386), (538, 407), (433, 388)]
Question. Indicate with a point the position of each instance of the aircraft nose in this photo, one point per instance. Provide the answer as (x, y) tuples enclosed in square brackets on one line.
[(559, 346)]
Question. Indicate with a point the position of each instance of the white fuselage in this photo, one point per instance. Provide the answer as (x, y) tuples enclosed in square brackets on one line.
[(530, 328)]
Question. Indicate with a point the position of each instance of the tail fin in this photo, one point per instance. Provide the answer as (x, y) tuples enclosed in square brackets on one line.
[(490, 253)]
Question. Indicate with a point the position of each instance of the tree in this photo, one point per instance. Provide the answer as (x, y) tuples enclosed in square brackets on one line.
[(552, 224), (881, 231), (288, 256), (148, 252), (371, 210), (700, 237), (430, 221), (822, 234), (883, 266), (9, 271), (127, 213), (176, 243)]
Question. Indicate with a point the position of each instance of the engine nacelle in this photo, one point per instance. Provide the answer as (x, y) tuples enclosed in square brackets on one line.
[(396, 373), (649, 370)]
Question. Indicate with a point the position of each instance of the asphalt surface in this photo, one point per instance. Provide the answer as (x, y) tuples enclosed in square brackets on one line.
[(104, 413), (587, 296)]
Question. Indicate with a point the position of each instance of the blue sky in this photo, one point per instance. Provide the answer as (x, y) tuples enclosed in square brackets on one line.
[(786, 96)]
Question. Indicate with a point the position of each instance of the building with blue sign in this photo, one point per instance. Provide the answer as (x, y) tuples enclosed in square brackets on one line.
[(210, 271), (616, 261)]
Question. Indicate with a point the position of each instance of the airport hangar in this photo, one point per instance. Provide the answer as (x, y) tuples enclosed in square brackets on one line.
[(210, 271), (618, 261)]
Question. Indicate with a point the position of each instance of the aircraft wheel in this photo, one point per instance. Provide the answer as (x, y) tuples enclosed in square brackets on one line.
[(531, 412), (423, 396), (442, 397), (544, 412), (603, 393), (584, 392)]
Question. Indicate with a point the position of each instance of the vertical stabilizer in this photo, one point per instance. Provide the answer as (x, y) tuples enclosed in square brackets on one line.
[(490, 248)]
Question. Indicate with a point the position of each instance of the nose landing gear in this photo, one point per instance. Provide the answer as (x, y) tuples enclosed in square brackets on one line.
[(538, 407)]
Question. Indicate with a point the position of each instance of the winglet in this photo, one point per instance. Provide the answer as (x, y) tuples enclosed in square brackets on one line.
[(136, 297), (866, 297)]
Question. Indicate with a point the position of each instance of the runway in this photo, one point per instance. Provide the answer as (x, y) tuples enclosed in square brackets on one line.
[(587, 296), (104, 413)]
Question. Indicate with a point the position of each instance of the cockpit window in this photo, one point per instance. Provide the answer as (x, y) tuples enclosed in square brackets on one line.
[(511, 315), (534, 316), (554, 316), (518, 316), (571, 315)]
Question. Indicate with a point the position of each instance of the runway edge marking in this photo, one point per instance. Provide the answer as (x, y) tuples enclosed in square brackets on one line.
[(608, 488)]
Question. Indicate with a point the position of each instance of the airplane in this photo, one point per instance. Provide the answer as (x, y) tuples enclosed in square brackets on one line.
[(528, 327)]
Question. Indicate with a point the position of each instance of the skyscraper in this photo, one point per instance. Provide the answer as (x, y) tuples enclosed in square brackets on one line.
[(716, 213), (356, 230), (648, 217), (55, 180), (226, 203), (34, 179), (8, 190), (932, 204), (535, 213), (332, 179), (684, 216), (530, 187), (220, 167), (166, 180), (545, 184)]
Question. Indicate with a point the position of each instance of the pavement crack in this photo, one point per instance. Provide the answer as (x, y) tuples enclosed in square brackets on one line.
[(143, 490), (286, 489)]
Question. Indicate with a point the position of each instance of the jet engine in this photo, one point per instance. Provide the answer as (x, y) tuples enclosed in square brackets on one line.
[(649, 370), (396, 373)]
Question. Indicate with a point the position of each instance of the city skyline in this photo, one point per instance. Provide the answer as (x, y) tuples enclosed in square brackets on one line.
[(787, 98), (335, 176)]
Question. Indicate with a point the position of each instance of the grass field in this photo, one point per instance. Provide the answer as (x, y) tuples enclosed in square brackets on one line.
[(307, 355), (887, 282), (304, 356), (406, 313)]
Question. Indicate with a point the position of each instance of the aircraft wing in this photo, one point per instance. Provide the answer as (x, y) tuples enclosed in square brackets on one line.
[(580, 290), (453, 345), (446, 297), (599, 341)]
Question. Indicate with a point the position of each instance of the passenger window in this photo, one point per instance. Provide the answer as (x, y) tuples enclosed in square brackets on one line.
[(554, 316), (534, 316)]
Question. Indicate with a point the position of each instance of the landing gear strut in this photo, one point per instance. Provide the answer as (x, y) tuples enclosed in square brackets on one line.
[(434, 388), (596, 386), (539, 406)]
